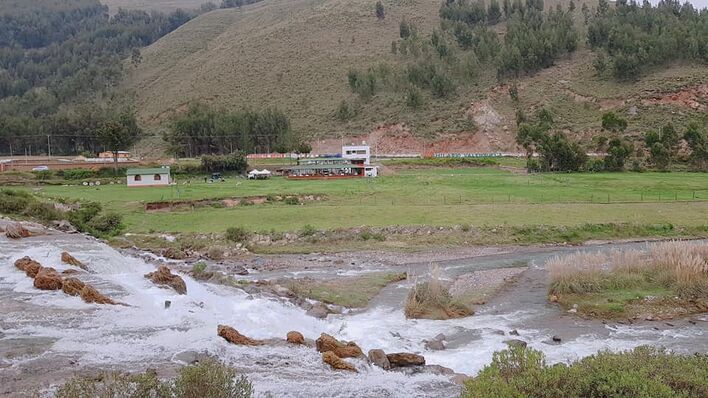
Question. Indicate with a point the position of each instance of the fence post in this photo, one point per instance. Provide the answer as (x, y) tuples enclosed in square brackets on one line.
[(694, 194), (675, 196), (608, 198), (641, 195)]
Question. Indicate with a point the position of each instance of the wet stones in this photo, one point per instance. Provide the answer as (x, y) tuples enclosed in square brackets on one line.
[(319, 311), (72, 286), (28, 265), (294, 337), (90, 295), (234, 337), (336, 362), (16, 231), (164, 277), (67, 258), (378, 357), (48, 279), (341, 349), (515, 343), (404, 359), (435, 344)]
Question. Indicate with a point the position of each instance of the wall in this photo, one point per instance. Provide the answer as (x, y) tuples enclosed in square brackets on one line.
[(148, 180)]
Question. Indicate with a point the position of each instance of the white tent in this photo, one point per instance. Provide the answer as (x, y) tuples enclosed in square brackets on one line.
[(256, 174)]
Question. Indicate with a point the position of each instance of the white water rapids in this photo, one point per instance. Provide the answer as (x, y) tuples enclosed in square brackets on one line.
[(144, 333)]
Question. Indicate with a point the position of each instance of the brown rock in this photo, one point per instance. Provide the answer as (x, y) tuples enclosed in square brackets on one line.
[(47, 279), (233, 336), (336, 362), (341, 349), (16, 231), (378, 357), (72, 286), (553, 298), (71, 260), (403, 359), (28, 265), (295, 337), (163, 276), (70, 272), (90, 295)]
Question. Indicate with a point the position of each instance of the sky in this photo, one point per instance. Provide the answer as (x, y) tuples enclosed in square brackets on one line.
[(696, 3)]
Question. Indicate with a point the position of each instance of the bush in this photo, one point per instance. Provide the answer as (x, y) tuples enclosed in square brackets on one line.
[(307, 230), (109, 224), (645, 372), (432, 300), (43, 175), (210, 378), (217, 163), (199, 267), (14, 202), (237, 234), (78, 174), (368, 235), (115, 385), (292, 200), (216, 253), (42, 211)]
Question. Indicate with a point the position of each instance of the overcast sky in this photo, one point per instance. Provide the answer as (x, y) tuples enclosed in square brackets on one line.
[(696, 3)]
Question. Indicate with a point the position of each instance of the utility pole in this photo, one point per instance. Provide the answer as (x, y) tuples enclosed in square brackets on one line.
[(49, 146)]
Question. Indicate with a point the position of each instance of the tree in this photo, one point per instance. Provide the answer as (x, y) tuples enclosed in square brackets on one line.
[(571, 6), (135, 57), (404, 29), (118, 135), (663, 146), (612, 122), (493, 12), (380, 12), (617, 153), (698, 143)]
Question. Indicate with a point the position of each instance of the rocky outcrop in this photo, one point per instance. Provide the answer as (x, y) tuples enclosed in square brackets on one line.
[(336, 362), (48, 279), (515, 343), (234, 337), (295, 337), (16, 231), (72, 286), (64, 226), (71, 260), (319, 311), (164, 277), (378, 357), (403, 359), (90, 295), (341, 349), (28, 265)]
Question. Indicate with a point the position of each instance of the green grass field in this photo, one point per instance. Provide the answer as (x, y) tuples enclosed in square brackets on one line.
[(476, 196)]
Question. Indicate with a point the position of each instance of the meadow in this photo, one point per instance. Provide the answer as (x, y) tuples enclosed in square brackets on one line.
[(436, 197)]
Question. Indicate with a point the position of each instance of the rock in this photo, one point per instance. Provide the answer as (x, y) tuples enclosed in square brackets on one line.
[(295, 337), (16, 231), (460, 378), (64, 226), (47, 279), (318, 310), (71, 260), (336, 362), (516, 343), (553, 298), (514, 332), (341, 349), (234, 337), (403, 359), (164, 277), (187, 357), (435, 345), (28, 265), (556, 339), (70, 271), (90, 295), (168, 304), (378, 357), (424, 369), (174, 254), (440, 337), (72, 286)]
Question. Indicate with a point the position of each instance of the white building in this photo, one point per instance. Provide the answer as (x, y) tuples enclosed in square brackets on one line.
[(357, 152), (148, 177)]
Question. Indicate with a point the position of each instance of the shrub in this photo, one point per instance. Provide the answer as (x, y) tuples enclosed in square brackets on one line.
[(211, 378), (14, 202), (43, 175), (115, 385), (644, 372), (368, 235), (232, 162), (78, 174), (42, 211), (237, 234), (199, 267), (216, 253), (307, 230), (292, 200), (432, 300), (109, 224)]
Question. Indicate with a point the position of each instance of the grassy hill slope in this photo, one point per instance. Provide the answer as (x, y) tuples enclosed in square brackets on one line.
[(295, 54)]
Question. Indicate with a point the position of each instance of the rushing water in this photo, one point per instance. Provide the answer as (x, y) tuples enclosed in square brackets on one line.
[(145, 333)]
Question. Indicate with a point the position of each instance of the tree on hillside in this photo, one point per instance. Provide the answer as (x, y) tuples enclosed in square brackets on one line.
[(555, 151), (493, 12), (662, 146), (118, 135), (380, 12), (698, 142), (135, 57), (612, 122), (617, 153)]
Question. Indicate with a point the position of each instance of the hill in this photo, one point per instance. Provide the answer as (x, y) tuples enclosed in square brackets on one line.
[(150, 5), (295, 55)]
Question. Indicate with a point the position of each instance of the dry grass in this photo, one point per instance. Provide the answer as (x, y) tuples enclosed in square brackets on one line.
[(432, 300), (678, 265)]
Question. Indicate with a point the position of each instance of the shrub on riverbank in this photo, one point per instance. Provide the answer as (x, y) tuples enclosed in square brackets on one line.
[(644, 372), (209, 378), (606, 283), (432, 300)]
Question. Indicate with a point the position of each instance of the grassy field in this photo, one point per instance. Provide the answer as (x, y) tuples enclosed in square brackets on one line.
[(479, 196)]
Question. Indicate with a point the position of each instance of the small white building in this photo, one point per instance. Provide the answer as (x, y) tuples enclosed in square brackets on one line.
[(148, 177), (357, 152), (256, 174)]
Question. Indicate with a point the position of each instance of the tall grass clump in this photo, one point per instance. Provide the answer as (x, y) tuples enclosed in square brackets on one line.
[(431, 299)]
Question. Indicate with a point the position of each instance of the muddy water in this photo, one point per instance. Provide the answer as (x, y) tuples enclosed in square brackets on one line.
[(39, 328)]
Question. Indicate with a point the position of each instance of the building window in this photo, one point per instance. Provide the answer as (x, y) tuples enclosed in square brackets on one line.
[(157, 177), (138, 178)]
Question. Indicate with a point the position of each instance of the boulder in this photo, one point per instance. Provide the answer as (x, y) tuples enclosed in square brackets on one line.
[(64, 226), (28, 265), (556, 339), (90, 295), (378, 358), (341, 349), (71, 260), (403, 359), (163, 276), (70, 271), (318, 310), (48, 279), (72, 286), (434, 345), (295, 337), (233, 336), (336, 362), (16, 231), (515, 343)]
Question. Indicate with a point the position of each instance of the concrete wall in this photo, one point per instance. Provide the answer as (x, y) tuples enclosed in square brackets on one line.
[(149, 180)]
